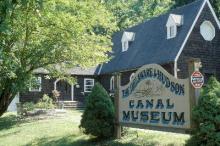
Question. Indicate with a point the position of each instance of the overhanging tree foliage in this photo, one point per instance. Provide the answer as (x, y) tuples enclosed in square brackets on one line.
[(132, 12), (215, 4), (46, 34)]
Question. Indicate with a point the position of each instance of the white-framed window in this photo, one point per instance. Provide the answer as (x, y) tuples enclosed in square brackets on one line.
[(131, 76), (35, 85), (125, 46), (112, 83), (173, 22), (88, 84), (126, 39), (171, 31), (207, 30)]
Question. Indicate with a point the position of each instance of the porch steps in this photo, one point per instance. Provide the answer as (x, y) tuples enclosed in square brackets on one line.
[(71, 104)]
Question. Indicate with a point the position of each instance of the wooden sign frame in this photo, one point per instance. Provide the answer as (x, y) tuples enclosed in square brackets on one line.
[(193, 65)]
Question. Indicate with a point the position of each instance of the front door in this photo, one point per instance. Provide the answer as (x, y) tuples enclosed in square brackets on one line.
[(65, 91)]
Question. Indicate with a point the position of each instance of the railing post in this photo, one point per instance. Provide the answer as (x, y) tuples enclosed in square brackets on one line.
[(117, 82)]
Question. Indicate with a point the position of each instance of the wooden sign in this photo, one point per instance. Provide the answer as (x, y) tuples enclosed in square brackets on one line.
[(197, 80), (154, 99)]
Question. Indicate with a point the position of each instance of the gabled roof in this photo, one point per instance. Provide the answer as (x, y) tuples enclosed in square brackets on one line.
[(151, 45)]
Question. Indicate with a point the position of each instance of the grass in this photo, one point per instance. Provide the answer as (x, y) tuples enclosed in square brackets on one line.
[(64, 131)]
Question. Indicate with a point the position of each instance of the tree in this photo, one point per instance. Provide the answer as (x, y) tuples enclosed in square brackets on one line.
[(215, 4), (207, 116), (179, 3), (129, 13), (51, 34), (98, 117)]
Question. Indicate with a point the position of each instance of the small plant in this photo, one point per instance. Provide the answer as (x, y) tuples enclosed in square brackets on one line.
[(207, 116), (28, 106), (45, 103), (98, 117), (56, 95), (124, 131)]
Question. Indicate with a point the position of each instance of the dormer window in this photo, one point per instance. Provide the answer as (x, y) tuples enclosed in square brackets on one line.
[(126, 39), (125, 46), (172, 23), (171, 32)]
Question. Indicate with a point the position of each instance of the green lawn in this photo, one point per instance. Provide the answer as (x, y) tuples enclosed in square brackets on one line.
[(63, 131)]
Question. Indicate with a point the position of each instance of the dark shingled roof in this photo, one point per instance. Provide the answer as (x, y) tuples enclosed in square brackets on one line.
[(151, 44), (84, 71), (74, 71)]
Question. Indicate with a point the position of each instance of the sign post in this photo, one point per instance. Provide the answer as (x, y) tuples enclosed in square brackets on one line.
[(117, 82), (194, 65)]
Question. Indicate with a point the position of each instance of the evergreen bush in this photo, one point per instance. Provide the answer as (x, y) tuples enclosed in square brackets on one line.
[(28, 106), (45, 103), (98, 117), (207, 116)]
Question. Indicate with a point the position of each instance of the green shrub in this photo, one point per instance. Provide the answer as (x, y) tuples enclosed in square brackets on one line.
[(207, 115), (45, 103), (28, 106), (98, 117)]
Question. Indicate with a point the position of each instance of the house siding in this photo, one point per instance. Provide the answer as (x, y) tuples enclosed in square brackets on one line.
[(125, 77), (48, 86), (79, 94), (105, 81), (197, 47)]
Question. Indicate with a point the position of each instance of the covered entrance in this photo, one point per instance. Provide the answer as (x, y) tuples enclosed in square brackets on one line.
[(66, 90)]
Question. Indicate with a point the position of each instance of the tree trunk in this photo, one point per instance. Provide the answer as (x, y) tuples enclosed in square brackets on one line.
[(5, 100)]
